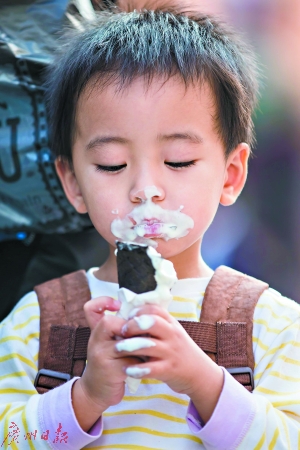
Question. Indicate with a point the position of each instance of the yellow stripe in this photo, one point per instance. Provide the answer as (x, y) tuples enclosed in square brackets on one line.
[(284, 377), (276, 316), (261, 442), (270, 364), (290, 413), (153, 433), (31, 336), (14, 446), (123, 446), (274, 439), (20, 357), (289, 360), (270, 392), (18, 391), (151, 381), (186, 300), (5, 411), (184, 315), (26, 429), (148, 412), (36, 357), (26, 306), (24, 324), (265, 324), (259, 374), (11, 338), (259, 343), (14, 374), (7, 419), (170, 398), (285, 403), (273, 350), (283, 419)]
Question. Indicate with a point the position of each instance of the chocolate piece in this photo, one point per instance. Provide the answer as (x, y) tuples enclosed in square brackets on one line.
[(135, 269)]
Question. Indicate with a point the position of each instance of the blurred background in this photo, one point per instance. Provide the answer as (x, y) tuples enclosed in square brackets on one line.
[(259, 234), (41, 237)]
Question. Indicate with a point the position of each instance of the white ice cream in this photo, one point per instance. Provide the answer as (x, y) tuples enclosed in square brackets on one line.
[(165, 277), (144, 322), (135, 343), (150, 220)]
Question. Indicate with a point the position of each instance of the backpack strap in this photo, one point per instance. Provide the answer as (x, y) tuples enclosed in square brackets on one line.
[(63, 346), (226, 322), (224, 331)]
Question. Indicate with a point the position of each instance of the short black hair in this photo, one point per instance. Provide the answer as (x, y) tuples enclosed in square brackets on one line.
[(120, 47)]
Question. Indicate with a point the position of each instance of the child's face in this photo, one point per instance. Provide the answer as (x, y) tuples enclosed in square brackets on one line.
[(139, 135)]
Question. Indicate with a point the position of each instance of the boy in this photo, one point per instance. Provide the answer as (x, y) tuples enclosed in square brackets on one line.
[(154, 108)]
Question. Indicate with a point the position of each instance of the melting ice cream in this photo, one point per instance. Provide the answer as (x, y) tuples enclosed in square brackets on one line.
[(149, 220), (165, 276)]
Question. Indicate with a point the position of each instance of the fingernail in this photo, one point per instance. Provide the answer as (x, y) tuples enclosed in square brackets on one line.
[(137, 372), (116, 304), (144, 322), (124, 329), (132, 344), (133, 312)]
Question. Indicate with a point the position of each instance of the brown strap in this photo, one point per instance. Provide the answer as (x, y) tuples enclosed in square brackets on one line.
[(63, 346), (224, 333), (231, 297), (66, 354), (61, 302)]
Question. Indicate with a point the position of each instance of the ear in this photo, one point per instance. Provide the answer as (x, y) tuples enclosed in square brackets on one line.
[(70, 185), (235, 174)]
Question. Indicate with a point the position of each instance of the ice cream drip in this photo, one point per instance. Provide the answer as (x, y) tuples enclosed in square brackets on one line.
[(165, 277), (149, 220)]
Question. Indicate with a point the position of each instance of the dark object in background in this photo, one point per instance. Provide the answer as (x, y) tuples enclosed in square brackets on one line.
[(41, 235), (49, 256), (32, 199), (135, 269)]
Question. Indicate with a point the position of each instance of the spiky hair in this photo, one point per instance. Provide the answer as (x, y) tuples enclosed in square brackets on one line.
[(120, 47)]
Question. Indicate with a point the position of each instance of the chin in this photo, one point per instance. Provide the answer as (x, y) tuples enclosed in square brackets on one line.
[(169, 249)]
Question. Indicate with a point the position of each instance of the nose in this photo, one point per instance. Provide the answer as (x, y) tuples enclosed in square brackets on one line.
[(147, 193)]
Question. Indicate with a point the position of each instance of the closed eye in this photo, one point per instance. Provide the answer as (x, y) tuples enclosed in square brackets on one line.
[(181, 164), (100, 168)]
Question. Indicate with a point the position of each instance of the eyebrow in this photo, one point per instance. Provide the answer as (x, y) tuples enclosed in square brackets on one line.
[(100, 141), (192, 137)]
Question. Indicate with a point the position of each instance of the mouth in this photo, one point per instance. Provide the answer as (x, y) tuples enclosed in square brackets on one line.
[(151, 228)]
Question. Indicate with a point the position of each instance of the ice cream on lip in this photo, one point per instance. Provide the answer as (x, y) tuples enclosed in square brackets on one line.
[(149, 220)]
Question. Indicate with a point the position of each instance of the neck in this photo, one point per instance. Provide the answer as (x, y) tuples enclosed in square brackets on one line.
[(190, 264), (108, 271)]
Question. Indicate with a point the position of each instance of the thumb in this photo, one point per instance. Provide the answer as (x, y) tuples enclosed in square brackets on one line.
[(94, 309)]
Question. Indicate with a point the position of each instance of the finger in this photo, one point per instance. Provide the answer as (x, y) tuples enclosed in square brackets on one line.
[(153, 326), (109, 328), (134, 345), (151, 309), (153, 369), (94, 309)]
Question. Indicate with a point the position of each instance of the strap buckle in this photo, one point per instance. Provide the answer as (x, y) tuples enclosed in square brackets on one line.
[(51, 374), (242, 371)]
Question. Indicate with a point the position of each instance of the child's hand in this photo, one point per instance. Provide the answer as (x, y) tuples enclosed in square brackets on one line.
[(173, 357), (102, 383)]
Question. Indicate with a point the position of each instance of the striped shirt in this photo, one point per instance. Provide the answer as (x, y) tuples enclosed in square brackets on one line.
[(155, 417)]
